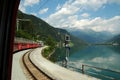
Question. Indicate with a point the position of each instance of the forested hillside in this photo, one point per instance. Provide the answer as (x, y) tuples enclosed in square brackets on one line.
[(37, 29)]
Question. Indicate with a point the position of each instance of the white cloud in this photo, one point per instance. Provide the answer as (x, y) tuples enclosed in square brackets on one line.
[(22, 8), (73, 6), (70, 8), (93, 4), (111, 25), (24, 3), (43, 11), (67, 17), (58, 7), (97, 24), (89, 4), (31, 2), (85, 15), (103, 60), (35, 14)]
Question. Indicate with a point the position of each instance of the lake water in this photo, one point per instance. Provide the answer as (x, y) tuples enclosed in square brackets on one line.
[(107, 57)]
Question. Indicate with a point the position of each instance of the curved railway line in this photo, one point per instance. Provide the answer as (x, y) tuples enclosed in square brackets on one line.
[(32, 58), (34, 71)]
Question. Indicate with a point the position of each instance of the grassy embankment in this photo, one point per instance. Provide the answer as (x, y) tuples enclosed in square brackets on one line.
[(51, 43)]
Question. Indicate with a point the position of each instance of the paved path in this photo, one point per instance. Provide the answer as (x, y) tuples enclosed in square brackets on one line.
[(55, 71), (17, 72)]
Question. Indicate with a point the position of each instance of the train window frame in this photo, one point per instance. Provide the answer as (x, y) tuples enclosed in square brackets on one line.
[(8, 14)]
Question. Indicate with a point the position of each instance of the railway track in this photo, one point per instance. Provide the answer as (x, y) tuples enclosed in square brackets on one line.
[(34, 71)]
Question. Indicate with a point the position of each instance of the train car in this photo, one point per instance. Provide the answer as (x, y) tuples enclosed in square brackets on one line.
[(22, 44)]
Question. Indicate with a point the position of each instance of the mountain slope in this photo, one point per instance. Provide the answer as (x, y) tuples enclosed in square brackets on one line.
[(41, 30), (92, 36), (115, 39)]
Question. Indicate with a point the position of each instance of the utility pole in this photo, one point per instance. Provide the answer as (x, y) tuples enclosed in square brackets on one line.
[(18, 20), (67, 49)]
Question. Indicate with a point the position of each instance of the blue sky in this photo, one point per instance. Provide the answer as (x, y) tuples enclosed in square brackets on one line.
[(96, 15)]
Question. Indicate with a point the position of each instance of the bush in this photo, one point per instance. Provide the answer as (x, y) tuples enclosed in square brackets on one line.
[(23, 34), (47, 52)]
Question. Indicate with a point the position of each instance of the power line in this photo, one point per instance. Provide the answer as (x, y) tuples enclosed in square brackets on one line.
[(43, 4)]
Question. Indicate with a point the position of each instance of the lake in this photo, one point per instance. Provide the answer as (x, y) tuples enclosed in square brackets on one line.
[(107, 57)]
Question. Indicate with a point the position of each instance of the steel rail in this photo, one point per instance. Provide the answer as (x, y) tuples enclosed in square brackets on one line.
[(34, 71)]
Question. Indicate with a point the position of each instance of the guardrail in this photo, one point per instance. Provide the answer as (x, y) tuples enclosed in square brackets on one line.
[(97, 74)]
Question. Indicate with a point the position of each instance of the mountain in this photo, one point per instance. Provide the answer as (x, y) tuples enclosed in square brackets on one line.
[(92, 36), (115, 39), (36, 28)]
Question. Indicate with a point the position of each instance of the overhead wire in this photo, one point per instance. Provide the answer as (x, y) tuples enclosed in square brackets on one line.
[(43, 4)]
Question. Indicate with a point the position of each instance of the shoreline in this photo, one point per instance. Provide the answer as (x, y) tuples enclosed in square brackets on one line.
[(55, 71)]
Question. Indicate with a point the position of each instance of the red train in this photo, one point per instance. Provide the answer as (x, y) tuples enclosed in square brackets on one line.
[(21, 44)]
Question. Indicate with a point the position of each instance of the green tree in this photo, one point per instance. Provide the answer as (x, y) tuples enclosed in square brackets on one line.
[(50, 42)]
